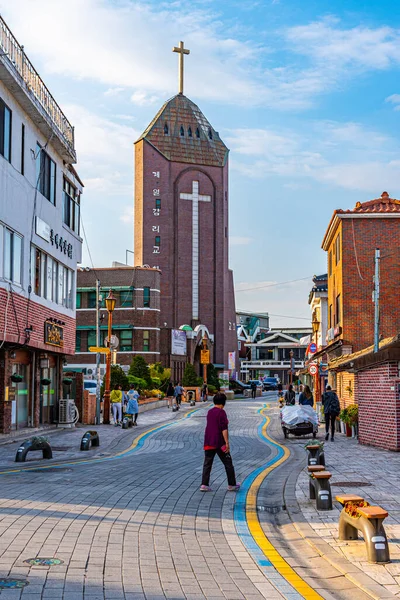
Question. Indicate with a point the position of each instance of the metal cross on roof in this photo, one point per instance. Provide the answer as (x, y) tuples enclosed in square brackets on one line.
[(181, 51)]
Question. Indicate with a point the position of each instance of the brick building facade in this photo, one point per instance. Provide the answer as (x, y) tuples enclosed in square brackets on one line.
[(181, 225), (136, 317), (359, 375), (40, 194)]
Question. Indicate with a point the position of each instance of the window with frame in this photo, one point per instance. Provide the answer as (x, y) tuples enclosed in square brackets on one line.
[(146, 341), (5, 130), (50, 279), (22, 149), (78, 299), (12, 256), (337, 249), (125, 340), (330, 263), (126, 298), (91, 300), (146, 297), (330, 316), (91, 338), (71, 206), (337, 310), (157, 240), (78, 341), (45, 174), (158, 202)]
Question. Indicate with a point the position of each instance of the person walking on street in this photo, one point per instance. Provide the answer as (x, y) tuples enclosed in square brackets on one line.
[(290, 396), (331, 405), (204, 393), (253, 387), (116, 403), (306, 397), (216, 441), (132, 408), (178, 391), (170, 394)]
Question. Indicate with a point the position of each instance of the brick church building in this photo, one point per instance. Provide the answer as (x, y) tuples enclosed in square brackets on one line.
[(181, 227)]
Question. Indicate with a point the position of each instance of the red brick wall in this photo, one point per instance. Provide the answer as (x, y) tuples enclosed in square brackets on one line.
[(379, 406), (18, 318), (358, 309)]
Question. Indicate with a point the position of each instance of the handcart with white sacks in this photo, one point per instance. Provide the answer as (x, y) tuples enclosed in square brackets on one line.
[(299, 420)]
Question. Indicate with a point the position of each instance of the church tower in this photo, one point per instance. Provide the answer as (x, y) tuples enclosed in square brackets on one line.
[(181, 220)]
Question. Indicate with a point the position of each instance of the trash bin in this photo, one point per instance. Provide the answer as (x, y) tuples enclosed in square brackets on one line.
[(191, 397)]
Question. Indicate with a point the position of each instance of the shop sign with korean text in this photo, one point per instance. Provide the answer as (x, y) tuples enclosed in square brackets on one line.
[(53, 334), (205, 357)]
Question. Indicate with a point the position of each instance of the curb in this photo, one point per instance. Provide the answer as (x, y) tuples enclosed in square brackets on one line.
[(353, 573)]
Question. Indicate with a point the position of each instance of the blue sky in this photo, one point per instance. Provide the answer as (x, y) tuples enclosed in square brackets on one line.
[(305, 95)]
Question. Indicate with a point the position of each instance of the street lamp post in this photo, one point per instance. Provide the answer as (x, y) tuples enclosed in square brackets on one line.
[(204, 364), (110, 305), (291, 367), (315, 326)]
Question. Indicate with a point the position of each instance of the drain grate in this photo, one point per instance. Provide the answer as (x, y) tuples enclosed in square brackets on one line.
[(351, 483), (43, 562), (13, 584)]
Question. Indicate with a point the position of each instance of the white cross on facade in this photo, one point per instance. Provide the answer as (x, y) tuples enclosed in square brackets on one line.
[(195, 197)]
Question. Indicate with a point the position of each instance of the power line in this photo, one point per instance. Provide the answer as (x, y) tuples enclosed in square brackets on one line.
[(289, 317), (261, 287)]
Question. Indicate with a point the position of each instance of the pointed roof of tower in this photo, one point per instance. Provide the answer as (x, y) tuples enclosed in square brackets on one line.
[(181, 133)]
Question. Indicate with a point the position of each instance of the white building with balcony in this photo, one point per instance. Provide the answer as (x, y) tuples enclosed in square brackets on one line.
[(40, 243)]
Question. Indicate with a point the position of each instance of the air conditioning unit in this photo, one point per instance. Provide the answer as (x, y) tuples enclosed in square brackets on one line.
[(68, 413)]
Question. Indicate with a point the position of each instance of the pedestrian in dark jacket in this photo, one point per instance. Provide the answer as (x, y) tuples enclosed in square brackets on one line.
[(290, 396), (216, 441), (306, 397), (331, 405)]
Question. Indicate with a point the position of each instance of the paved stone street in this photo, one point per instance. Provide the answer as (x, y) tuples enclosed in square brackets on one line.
[(137, 527)]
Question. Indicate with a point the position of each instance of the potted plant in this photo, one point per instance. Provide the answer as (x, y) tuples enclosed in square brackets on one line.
[(349, 416), (45, 381), (67, 381)]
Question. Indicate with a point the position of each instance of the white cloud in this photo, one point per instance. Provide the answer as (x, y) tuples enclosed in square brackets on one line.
[(236, 240), (395, 100), (347, 155), (109, 44), (112, 92), (127, 215), (143, 99)]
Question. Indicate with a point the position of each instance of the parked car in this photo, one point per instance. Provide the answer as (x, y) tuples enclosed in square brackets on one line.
[(238, 387), (258, 383), (270, 383)]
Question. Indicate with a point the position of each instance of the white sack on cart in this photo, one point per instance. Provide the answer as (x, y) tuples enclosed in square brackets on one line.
[(293, 415)]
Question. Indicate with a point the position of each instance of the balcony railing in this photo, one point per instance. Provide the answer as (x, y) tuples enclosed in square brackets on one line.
[(13, 52)]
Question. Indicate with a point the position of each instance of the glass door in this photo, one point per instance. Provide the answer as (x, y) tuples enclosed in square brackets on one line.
[(20, 404)]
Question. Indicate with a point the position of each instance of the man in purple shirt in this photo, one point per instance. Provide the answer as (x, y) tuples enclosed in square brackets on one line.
[(216, 441)]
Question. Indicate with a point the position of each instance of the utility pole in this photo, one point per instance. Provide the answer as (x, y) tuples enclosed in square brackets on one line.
[(376, 299), (98, 355)]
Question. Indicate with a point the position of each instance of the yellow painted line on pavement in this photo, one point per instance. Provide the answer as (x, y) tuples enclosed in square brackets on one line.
[(132, 447), (257, 532)]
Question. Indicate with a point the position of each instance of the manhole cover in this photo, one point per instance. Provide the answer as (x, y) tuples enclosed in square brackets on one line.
[(13, 584), (43, 562), (351, 483), (51, 470)]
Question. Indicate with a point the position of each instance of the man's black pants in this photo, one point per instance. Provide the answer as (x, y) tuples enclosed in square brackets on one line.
[(253, 393), (227, 462), (330, 419)]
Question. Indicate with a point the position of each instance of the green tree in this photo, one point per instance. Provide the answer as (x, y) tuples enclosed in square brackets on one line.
[(139, 368), (190, 378), (212, 376), (118, 377)]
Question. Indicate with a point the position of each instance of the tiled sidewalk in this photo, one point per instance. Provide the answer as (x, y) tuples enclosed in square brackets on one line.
[(66, 442), (377, 473)]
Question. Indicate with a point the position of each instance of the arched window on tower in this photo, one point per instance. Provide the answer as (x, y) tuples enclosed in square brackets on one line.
[(210, 133), (166, 130), (182, 131), (197, 132), (190, 134)]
